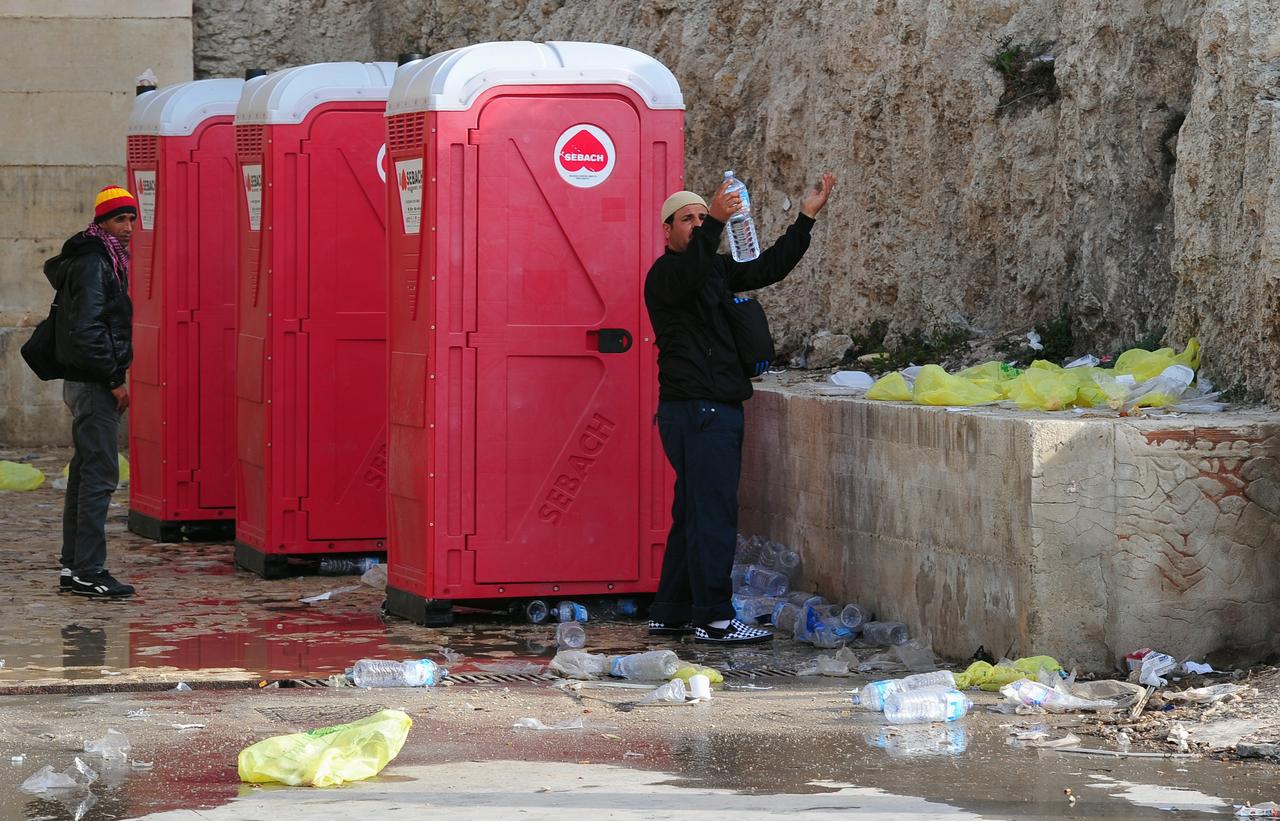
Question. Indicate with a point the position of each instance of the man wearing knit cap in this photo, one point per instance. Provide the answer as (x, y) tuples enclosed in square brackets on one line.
[(702, 386), (94, 332)]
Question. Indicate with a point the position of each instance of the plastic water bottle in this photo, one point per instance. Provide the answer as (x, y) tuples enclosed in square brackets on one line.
[(786, 562), (751, 607), (748, 550), (767, 582), (785, 615), (919, 706), (570, 636), (536, 611), (854, 616), (803, 598), (885, 633), (738, 576), (744, 244), (821, 627), (384, 673), (654, 665), (874, 694), (334, 566), (570, 611)]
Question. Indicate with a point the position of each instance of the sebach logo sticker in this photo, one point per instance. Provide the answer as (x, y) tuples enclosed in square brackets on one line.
[(584, 156)]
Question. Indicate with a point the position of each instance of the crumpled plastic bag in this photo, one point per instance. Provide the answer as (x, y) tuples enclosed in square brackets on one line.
[(327, 756), (528, 723), (17, 476), (1146, 365), (673, 692), (1162, 391), (579, 664), (934, 386), (1207, 695), (892, 387), (688, 671), (1045, 389), (991, 677), (993, 374)]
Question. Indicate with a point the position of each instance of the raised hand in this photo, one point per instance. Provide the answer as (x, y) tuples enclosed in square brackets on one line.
[(815, 198), (723, 204)]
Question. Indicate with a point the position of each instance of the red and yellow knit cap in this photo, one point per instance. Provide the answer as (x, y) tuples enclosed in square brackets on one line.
[(112, 201)]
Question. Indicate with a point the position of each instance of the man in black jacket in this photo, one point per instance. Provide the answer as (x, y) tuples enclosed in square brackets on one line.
[(702, 387), (94, 332)]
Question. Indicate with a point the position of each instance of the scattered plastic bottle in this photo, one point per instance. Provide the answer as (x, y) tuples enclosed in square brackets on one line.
[(336, 566), (821, 626), (885, 633), (874, 695), (383, 673), (114, 744), (738, 576), (536, 611), (767, 582), (570, 611), (654, 665), (570, 636), (803, 598), (854, 616), (786, 562), (751, 607), (744, 243), (1034, 694), (785, 615), (604, 609), (919, 706), (748, 549)]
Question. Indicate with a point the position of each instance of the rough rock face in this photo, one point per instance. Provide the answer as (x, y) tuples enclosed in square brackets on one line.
[(952, 210)]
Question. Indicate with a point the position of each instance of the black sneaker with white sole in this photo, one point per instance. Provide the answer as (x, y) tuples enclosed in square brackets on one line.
[(736, 633), (64, 580), (101, 585), (658, 628)]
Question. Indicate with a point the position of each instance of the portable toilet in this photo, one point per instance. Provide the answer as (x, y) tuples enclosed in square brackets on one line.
[(310, 358), (181, 167), (523, 371)]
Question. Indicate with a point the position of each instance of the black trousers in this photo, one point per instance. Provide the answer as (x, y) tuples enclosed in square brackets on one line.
[(703, 442), (92, 478)]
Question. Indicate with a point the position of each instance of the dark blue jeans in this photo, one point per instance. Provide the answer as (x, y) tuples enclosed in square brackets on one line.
[(703, 442), (92, 478)]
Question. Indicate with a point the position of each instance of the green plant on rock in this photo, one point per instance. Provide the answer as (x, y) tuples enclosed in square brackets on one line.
[(1028, 74)]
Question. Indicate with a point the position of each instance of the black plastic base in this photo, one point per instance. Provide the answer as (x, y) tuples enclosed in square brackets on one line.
[(266, 565), (419, 610), (201, 530)]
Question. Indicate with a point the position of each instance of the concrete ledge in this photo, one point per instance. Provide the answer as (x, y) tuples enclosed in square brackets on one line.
[(1080, 537)]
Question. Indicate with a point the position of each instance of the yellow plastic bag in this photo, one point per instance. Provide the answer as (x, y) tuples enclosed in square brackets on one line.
[(1146, 365), (934, 386), (1042, 389), (17, 476), (1190, 355), (690, 670), (991, 374), (992, 677), (327, 756), (892, 387)]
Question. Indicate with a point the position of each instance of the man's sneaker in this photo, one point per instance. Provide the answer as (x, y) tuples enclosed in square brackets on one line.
[(64, 580), (658, 628), (736, 633), (100, 585)]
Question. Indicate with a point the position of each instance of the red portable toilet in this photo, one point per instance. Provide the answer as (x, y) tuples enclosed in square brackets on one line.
[(181, 156), (523, 373), (311, 359)]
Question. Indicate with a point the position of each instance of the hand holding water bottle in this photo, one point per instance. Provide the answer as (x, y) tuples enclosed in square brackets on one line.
[(816, 198), (724, 202)]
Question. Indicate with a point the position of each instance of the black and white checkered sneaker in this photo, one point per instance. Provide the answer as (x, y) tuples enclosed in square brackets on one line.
[(736, 633), (659, 628)]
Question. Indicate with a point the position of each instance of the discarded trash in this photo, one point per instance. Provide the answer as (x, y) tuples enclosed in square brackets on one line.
[(919, 706), (766, 582), (328, 594), (892, 387), (327, 756), (1207, 695), (451, 656), (917, 656), (874, 696), (578, 664), (748, 687), (1193, 667), (1086, 361), (651, 666), (183, 687), (46, 780), (511, 668), (187, 726), (136, 715), (1033, 339), (885, 633), (673, 692), (820, 625), (1178, 735), (375, 577), (853, 379), (535, 724), (854, 616), (1028, 693), (699, 687), (1042, 738), (113, 745), (141, 765), (570, 635), (569, 611), (688, 671), (749, 606), (370, 673), (991, 677), (17, 759), (342, 566), (1154, 666), (17, 476), (1267, 809), (934, 386)]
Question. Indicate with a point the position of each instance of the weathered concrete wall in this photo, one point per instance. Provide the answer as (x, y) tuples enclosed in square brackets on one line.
[(65, 99), (1027, 533)]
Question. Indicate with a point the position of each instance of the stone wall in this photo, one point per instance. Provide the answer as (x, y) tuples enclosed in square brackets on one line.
[(1027, 533), (65, 99)]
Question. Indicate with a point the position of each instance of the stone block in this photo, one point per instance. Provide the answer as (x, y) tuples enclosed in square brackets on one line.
[(109, 53), (24, 292), (64, 128), (41, 202), (114, 9), (31, 412), (1082, 538)]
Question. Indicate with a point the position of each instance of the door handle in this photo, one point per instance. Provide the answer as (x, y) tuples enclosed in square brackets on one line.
[(613, 340)]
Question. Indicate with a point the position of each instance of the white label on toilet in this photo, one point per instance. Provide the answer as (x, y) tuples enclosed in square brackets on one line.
[(253, 194), (144, 186), (409, 184)]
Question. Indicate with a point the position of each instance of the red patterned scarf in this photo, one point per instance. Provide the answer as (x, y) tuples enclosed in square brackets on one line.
[(115, 249)]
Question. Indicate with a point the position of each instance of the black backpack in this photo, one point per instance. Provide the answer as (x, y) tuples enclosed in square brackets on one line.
[(41, 350), (750, 328)]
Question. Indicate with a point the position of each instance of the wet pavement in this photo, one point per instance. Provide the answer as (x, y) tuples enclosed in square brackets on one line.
[(798, 747)]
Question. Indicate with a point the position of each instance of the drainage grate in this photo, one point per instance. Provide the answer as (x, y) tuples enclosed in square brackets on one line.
[(504, 678), (767, 672), (543, 678), (320, 716)]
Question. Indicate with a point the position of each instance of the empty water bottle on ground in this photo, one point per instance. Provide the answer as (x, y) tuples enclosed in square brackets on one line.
[(786, 562), (384, 673), (918, 706), (766, 582), (570, 636), (611, 609), (570, 611), (748, 549), (854, 616), (821, 626), (336, 566), (873, 695), (738, 576), (744, 243), (885, 633), (751, 607), (785, 615), (803, 598), (655, 665), (536, 611)]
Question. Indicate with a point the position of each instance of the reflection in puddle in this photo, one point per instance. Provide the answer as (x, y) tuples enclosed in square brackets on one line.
[(919, 740)]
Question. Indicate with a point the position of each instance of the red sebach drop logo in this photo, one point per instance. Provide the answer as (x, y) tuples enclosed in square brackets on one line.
[(584, 155), (584, 151)]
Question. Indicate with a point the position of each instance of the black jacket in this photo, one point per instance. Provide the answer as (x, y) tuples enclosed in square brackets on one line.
[(685, 292), (94, 322)]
